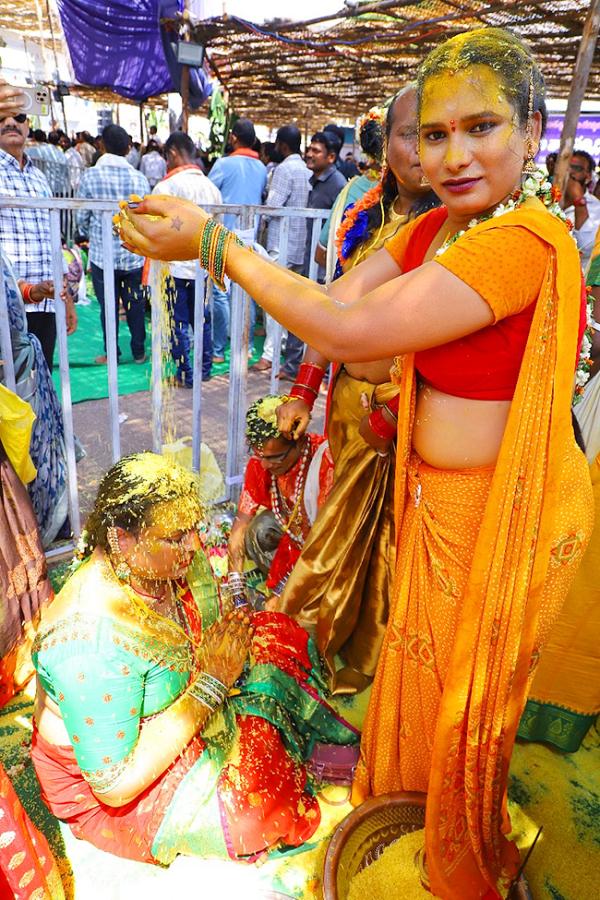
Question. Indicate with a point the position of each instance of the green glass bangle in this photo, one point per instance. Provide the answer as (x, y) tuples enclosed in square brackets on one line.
[(219, 262), (205, 243)]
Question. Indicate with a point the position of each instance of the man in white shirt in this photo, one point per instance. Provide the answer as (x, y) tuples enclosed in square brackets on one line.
[(185, 179), (290, 186), (580, 205)]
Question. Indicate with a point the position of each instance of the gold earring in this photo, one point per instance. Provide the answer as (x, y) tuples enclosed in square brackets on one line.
[(529, 165), (122, 570), (425, 182)]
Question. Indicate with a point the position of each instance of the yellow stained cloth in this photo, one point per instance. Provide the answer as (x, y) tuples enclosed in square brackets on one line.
[(339, 587), (467, 662), (16, 421), (568, 674)]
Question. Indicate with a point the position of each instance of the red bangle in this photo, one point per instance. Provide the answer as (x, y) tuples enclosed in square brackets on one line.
[(380, 425), (308, 382), (299, 392), (581, 202), (26, 292)]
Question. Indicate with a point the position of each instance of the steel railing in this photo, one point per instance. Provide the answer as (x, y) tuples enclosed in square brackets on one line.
[(247, 219)]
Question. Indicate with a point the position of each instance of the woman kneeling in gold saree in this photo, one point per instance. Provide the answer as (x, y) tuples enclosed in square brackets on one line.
[(482, 301), (340, 586)]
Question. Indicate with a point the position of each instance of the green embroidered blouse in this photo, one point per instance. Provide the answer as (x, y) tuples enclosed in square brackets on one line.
[(106, 675)]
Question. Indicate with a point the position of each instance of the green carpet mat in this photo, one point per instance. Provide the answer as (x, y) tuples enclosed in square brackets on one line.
[(90, 381)]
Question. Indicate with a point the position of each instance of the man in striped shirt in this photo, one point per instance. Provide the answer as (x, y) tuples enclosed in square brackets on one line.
[(289, 186), (185, 179), (25, 234)]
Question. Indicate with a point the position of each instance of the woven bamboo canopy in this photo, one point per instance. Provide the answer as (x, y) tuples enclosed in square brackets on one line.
[(338, 66), (335, 67)]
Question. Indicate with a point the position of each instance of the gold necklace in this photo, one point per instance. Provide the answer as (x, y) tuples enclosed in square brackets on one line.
[(145, 612)]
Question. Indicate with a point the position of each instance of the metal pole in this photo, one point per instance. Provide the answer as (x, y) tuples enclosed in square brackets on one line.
[(284, 232), (313, 266), (238, 375), (65, 383), (157, 336), (583, 64), (185, 97), (112, 337), (199, 292), (8, 362)]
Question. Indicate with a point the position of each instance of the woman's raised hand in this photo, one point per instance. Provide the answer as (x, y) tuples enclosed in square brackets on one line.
[(161, 227), (225, 647), (293, 418)]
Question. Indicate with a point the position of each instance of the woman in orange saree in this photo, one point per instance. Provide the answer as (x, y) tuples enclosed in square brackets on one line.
[(493, 498)]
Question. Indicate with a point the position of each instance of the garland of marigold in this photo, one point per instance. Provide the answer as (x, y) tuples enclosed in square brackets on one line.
[(353, 229)]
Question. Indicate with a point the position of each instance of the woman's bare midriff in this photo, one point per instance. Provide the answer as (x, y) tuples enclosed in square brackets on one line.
[(456, 433), (48, 719), (373, 372)]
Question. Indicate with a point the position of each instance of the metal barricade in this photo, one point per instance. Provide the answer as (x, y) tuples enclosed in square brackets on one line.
[(247, 219)]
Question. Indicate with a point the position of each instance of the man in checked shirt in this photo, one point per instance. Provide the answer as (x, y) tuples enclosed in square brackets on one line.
[(25, 234), (113, 178)]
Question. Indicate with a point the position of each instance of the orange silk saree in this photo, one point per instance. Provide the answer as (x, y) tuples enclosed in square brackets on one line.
[(501, 546)]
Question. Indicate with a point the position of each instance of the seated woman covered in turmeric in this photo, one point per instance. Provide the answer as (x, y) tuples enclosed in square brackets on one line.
[(139, 745)]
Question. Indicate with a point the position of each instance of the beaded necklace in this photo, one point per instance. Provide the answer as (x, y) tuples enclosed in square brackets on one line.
[(277, 501), (535, 185)]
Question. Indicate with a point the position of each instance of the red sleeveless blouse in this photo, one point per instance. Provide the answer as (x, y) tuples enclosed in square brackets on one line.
[(484, 365)]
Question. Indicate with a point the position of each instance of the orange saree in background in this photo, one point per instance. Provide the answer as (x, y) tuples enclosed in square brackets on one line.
[(500, 547)]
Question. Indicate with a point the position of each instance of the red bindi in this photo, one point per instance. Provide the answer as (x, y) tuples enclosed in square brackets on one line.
[(452, 125)]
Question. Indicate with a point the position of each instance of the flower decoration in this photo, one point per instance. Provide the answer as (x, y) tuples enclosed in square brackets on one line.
[(376, 114), (584, 364), (354, 229), (261, 419)]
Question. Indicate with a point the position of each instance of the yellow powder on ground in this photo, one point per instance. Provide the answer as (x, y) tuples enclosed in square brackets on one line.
[(394, 874)]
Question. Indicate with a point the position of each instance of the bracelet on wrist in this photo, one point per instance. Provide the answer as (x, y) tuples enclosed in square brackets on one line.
[(214, 243), (208, 691), (393, 415), (26, 289), (380, 426), (235, 589), (580, 202), (308, 382)]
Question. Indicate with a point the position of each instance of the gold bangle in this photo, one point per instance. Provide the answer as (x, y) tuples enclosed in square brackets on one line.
[(390, 413)]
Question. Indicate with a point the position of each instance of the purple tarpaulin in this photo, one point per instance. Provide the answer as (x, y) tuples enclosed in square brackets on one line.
[(119, 44), (586, 138)]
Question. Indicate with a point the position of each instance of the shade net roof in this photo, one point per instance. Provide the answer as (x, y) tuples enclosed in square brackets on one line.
[(339, 68)]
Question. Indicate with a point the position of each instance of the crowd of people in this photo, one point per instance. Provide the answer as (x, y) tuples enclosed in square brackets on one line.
[(425, 549)]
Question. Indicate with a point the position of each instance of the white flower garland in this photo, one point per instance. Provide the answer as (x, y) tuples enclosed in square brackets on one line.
[(537, 185)]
